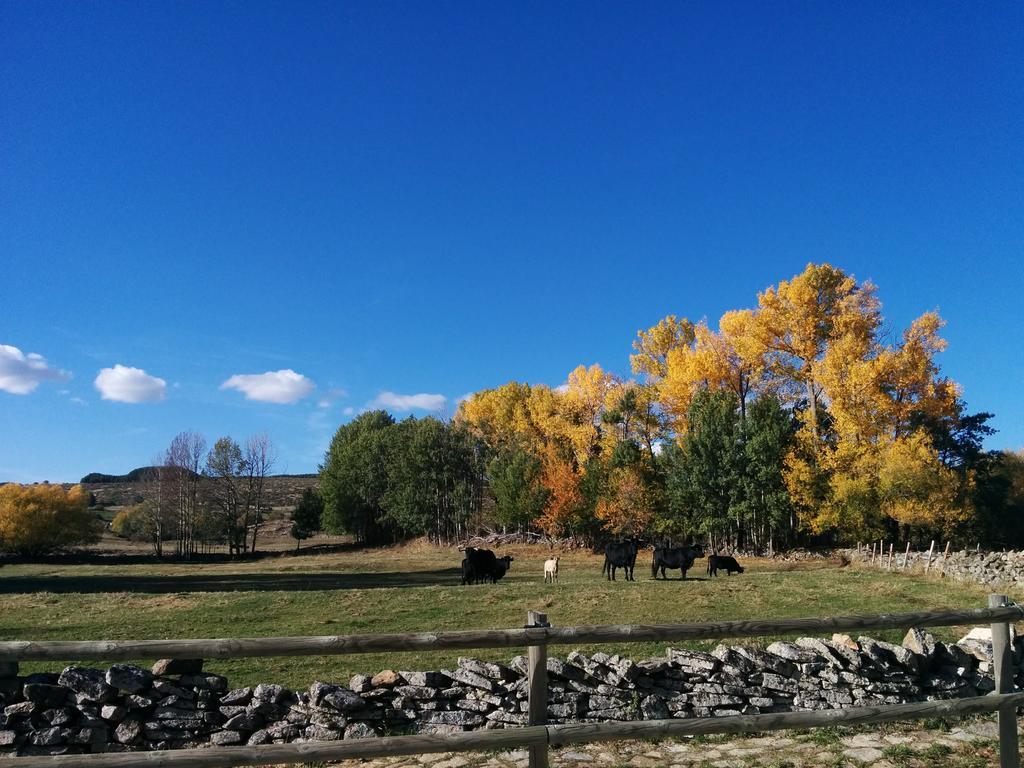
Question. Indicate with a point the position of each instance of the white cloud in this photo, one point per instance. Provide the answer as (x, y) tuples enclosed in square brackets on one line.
[(284, 386), (349, 411), (420, 402), (124, 384), (332, 394), (20, 374), (562, 389)]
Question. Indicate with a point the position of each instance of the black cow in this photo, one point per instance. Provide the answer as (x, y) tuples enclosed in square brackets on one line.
[(481, 564), (672, 558), (501, 568), (620, 554), (726, 563)]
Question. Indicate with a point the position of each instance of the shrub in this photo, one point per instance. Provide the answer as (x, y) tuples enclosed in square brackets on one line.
[(42, 518)]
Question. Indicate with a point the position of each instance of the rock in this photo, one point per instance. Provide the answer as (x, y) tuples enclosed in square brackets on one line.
[(259, 737), (282, 731), (693, 662), (791, 652), (845, 641), (129, 678), (7, 738), (129, 731), (8, 669), (361, 683), (273, 694), (62, 716), (237, 697), (343, 700), (47, 737), (207, 682), (227, 738), (455, 717), (386, 678), (46, 695), (471, 679), (167, 667), (653, 708), (136, 701), (88, 682), (320, 733), (425, 679), (498, 672), (113, 712), (244, 721), (359, 731), (920, 642)]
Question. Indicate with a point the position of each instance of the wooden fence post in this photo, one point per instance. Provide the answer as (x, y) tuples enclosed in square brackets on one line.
[(945, 554), (906, 556), (537, 687), (872, 553), (928, 562), (892, 545), (1002, 659)]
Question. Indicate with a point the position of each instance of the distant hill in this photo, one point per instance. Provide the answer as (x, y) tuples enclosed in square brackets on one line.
[(146, 474), (138, 475), (137, 485)]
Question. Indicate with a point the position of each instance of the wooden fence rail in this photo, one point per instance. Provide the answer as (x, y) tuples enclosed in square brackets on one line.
[(536, 737), (119, 650)]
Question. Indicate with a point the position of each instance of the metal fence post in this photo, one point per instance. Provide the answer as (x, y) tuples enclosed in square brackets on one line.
[(1002, 661), (537, 687)]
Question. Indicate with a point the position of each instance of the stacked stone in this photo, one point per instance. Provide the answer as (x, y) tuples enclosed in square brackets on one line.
[(176, 705), (990, 569)]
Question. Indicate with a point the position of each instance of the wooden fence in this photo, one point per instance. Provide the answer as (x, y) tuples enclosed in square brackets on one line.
[(537, 737)]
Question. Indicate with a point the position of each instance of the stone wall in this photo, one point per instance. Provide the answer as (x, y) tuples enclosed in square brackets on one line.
[(989, 569), (178, 705)]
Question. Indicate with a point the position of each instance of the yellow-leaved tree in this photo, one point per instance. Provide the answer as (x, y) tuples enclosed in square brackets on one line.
[(35, 519), (628, 507)]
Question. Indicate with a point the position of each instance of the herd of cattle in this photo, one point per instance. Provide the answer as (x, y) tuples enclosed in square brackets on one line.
[(481, 565)]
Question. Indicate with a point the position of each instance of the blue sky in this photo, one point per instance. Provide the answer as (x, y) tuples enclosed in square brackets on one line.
[(402, 199)]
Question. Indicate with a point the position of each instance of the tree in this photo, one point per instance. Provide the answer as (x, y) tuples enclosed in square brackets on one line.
[(566, 502), (144, 521), (432, 479), (306, 516), (35, 519), (768, 433), (706, 473), (628, 507), (225, 468), (354, 478), (259, 458), (516, 481), (182, 463), (653, 346), (798, 321)]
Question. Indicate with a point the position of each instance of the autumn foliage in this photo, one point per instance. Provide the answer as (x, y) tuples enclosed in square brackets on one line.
[(35, 519), (858, 434)]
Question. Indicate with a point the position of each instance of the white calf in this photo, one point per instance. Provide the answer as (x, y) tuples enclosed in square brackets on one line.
[(551, 570)]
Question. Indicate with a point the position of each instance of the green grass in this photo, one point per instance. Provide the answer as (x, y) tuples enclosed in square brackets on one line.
[(415, 588)]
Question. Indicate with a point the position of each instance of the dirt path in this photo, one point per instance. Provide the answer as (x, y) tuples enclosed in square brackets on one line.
[(957, 745)]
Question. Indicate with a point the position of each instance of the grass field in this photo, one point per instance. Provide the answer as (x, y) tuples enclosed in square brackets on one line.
[(415, 588)]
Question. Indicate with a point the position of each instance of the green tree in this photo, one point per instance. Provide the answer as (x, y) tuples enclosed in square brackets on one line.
[(433, 479), (515, 477), (306, 517), (705, 471), (768, 433), (354, 478)]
